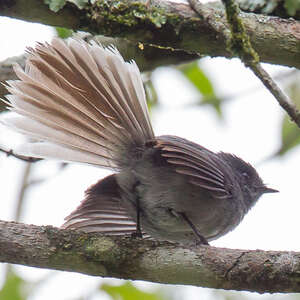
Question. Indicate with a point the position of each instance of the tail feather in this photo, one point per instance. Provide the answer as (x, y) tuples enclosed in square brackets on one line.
[(39, 128), (111, 86), (64, 153), (29, 92), (80, 97)]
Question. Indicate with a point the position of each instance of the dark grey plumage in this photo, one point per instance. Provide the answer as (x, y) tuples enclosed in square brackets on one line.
[(86, 104)]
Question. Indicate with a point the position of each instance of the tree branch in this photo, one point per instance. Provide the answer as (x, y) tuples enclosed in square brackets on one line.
[(167, 24), (146, 56), (128, 258), (21, 157), (240, 44)]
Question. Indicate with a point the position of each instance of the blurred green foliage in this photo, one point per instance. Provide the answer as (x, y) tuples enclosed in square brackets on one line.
[(292, 6), (290, 136), (290, 132), (128, 291), (14, 288), (56, 5), (63, 32), (151, 95), (203, 84)]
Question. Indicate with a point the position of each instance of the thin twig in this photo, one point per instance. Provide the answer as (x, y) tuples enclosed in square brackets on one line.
[(19, 208), (239, 44), (206, 14), (22, 192), (62, 166), (281, 97), (21, 157)]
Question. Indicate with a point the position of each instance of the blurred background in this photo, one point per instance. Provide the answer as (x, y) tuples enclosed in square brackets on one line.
[(215, 102)]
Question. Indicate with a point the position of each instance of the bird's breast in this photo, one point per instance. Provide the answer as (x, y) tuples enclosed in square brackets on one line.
[(164, 194)]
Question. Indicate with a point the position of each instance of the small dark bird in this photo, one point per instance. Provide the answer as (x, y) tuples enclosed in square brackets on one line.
[(83, 103)]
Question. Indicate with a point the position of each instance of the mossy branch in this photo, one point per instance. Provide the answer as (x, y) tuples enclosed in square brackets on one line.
[(163, 262), (239, 44), (166, 24)]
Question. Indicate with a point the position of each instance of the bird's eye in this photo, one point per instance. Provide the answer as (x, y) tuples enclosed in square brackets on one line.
[(246, 175)]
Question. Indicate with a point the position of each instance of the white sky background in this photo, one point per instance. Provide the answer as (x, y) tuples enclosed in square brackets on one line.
[(250, 130)]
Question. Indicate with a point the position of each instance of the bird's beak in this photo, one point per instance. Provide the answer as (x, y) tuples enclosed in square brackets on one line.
[(265, 189)]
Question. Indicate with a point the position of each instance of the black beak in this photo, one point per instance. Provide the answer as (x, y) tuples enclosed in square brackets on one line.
[(265, 189)]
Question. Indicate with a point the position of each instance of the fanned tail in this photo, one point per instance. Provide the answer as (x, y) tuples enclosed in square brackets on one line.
[(81, 102)]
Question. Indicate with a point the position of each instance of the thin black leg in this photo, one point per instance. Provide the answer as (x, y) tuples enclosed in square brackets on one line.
[(138, 219), (202, 239), (138, 230)]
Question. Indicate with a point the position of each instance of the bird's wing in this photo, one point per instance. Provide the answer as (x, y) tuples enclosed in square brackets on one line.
[(101, 211), (194, 162)]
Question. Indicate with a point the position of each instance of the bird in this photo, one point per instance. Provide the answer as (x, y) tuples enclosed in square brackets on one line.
[(81, 102)]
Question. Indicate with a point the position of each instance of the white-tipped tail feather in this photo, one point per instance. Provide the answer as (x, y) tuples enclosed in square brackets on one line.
[(83, 102)]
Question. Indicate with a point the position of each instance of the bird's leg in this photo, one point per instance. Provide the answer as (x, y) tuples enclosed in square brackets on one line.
[(202, 239), (138, 231)]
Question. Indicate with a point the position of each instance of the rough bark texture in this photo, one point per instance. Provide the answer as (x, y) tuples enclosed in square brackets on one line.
[(167, 24), (146, 56), (128, 258)]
